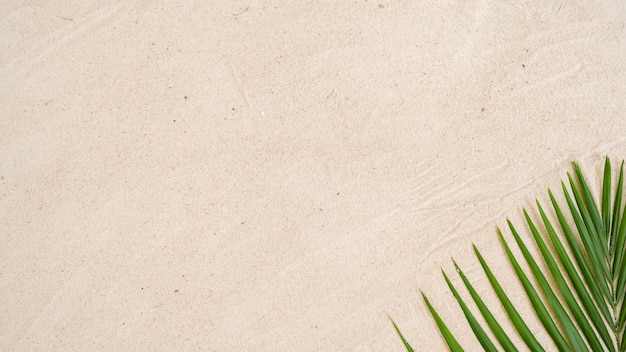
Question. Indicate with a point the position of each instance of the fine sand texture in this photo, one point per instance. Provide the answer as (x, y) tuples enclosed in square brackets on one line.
[(283, 176)]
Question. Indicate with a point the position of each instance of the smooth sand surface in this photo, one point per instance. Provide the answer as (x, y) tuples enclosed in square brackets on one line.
[(255, 176)]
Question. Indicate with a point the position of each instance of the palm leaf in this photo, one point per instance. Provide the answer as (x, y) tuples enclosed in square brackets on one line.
[(479, 332), (576, 284), (404, 341), (493, 324)]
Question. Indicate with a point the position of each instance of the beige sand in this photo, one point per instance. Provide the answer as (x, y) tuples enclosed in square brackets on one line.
[(255, 176)]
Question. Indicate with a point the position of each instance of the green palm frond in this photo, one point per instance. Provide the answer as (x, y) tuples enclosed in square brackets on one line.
[(576, 284)]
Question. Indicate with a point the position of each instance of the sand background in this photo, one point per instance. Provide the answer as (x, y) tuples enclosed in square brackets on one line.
[(273, 176)]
